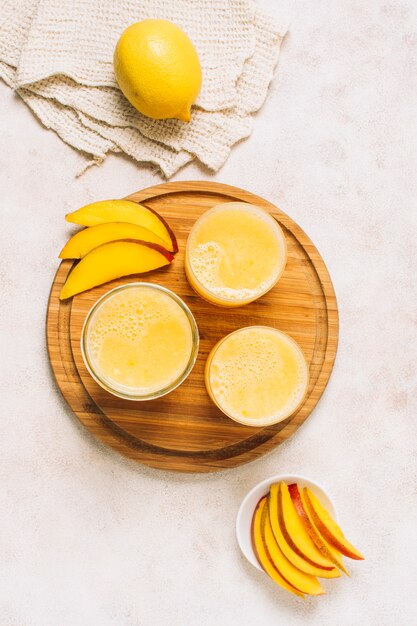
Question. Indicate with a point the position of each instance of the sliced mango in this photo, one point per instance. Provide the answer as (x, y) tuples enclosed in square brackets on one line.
[(86, 240), (295, 533), (124, 211), (295, 577), (325, 548), (113, 260), (328, 527), (294, 557), (261, 553)]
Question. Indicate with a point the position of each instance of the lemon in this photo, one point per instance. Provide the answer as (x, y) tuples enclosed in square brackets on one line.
[(157, 69)]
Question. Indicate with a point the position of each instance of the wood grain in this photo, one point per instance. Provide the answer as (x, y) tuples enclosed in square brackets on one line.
[(184, 431)]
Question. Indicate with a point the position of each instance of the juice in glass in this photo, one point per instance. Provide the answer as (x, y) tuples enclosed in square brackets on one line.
[(257, 375), (235, 253), (139, 341)]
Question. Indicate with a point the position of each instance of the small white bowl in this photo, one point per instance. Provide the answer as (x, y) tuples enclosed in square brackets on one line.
[(249, 502)]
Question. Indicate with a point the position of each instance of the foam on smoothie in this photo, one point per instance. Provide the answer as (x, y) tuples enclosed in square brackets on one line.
[(258, 375), (236, 251), (139, 340)]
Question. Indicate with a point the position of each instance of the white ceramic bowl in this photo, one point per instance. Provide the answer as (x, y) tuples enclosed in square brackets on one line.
[(249, 502)]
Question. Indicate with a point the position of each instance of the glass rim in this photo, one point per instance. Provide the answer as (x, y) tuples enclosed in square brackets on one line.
[(159, 392), (205, 290), (209, 387)]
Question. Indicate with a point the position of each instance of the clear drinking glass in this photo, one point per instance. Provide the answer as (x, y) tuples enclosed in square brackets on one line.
[(236, 252), (107, 381)]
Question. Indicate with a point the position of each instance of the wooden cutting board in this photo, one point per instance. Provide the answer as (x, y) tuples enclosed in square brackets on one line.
[(185, 431)]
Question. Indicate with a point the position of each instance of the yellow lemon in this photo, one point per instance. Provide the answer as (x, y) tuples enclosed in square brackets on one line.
[(158, 70)]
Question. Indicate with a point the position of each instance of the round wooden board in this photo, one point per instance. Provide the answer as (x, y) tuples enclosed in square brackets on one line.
[(184, 431)]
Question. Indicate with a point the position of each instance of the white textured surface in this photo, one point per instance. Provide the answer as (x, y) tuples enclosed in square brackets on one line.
[(88, 538)]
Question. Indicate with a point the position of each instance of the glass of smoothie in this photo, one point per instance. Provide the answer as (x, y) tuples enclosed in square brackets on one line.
[(235, 253), (139, 341), (257, 375)]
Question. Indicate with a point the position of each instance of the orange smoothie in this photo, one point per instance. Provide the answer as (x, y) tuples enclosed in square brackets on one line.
[(140, 341), (235, 253), (257, 375)]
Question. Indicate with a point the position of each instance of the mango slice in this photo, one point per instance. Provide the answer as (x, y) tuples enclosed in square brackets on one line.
[(294, 557), (124, 211), (113, 260), (295, 533), (262, 554), (325, 548), (86, 240), (295, 577), (328, 527)]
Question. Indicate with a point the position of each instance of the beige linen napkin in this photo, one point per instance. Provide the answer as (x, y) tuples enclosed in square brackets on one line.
[(58, 55)]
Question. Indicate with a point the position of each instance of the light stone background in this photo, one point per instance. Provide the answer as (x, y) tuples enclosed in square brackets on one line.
[(88, 538)]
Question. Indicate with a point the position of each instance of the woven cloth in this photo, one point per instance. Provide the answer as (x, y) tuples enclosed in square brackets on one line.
[(58, 56)]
